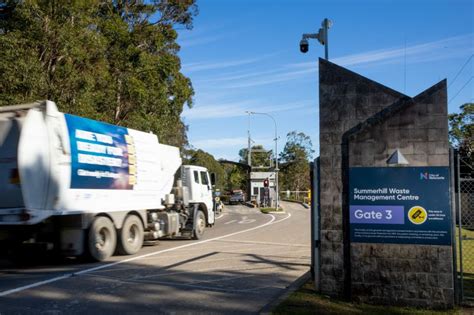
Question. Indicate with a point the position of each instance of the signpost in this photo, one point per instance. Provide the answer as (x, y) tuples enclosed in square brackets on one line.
[(400, 205)]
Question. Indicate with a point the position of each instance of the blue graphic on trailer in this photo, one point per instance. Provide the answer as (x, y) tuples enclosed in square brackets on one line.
[(99, 154), (400, 205)]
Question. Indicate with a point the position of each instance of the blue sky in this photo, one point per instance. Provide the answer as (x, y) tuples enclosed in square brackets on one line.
[(244, 56)]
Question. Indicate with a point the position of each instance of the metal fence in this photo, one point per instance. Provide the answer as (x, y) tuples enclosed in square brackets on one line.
[(300, 196), (464, 189)]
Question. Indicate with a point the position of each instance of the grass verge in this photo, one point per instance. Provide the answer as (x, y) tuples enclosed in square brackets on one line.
[(467, 260), (267, 210), (306, 301)]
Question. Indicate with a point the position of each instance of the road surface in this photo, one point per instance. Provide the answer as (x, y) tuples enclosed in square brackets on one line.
[(245, 261)]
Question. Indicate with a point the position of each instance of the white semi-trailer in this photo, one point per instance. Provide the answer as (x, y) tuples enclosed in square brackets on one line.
[(82, 186)]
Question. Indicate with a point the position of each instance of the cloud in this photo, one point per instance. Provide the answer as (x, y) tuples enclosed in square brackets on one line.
[(231, 142), (430, 51), (425, 52), (199, 36), (199, 66), (274, 78), (213, 65), (222, 110), (220, 143), (196, 41), (236, 109)]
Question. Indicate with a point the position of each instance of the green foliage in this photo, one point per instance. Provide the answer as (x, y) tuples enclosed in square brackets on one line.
[(113, 61), (237, 179), (259, 155), (201, 158), (461, 131), (461, 136), (298, 146), (294, 174)]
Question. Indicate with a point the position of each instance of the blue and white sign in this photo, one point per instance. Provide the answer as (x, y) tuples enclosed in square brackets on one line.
[(403, 205), (102, 155)]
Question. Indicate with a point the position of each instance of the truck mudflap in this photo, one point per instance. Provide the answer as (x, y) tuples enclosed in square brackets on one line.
[(22, 216)]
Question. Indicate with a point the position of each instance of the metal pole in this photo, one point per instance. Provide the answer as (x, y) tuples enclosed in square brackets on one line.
[(277, 204), (276, 166), (453, 224), (459, 207), (249, 149), (326, 40)]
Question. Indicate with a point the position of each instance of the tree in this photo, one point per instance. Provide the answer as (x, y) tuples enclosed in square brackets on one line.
[(298, 146), (461, 135), (202, 158), (114, 61), (294, 159), (259, 156), (237, 179)]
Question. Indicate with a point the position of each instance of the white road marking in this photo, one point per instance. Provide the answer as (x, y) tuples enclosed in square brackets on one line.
[(245, 220), (40, 283), (220, 216)]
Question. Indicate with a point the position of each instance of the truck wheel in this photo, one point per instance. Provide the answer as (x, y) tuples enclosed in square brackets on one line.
[(199, 225), (130, 239), (102, 239)]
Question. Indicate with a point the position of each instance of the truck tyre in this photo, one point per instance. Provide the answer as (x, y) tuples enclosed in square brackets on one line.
[(199, 225), (102, 239), (130, 238)]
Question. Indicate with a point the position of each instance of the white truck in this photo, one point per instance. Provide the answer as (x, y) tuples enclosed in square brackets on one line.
[(82, 186)]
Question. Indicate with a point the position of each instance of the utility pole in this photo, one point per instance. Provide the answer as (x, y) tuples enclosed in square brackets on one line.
[(277, 203), (249, 145)]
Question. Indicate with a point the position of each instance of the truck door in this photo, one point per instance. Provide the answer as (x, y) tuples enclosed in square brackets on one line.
[(206, 195)]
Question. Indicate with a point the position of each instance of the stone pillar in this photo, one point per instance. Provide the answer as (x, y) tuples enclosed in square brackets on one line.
[(361, 123)]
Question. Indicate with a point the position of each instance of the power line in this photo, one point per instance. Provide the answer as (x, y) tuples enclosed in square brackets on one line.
[(462, 68), (452, 98)]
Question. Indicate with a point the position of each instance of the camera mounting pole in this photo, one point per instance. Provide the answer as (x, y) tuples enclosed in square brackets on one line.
[(321, 36)]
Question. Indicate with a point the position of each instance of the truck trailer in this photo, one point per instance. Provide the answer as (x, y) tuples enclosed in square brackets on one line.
[(79, 186)]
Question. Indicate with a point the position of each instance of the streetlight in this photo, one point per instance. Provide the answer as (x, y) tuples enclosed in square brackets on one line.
[(276, 150)]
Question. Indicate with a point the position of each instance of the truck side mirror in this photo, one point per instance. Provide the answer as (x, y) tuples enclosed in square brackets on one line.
[(213, 179)]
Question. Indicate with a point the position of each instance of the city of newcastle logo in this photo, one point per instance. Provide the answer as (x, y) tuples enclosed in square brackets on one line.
[(430, 176), (424, 175)]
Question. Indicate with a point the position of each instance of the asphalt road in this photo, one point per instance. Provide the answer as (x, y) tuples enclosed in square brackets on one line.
[(244, 262)]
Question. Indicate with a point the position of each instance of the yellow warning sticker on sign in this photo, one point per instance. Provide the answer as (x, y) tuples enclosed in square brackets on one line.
[(417, 215)]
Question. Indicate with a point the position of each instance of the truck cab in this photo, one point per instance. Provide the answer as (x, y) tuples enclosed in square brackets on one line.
[(198, 183)]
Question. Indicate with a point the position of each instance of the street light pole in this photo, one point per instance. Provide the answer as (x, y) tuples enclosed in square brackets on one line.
[(249, 147), (277, 203)]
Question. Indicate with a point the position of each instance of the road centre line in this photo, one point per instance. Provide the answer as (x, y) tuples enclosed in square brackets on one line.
[(55, 279)]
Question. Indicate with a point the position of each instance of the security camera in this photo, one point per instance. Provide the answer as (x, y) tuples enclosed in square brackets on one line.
[(304, 46)]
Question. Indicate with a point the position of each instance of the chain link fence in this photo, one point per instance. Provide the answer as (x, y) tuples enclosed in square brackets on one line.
[(467, 202), (466, 206), (464, 201)]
